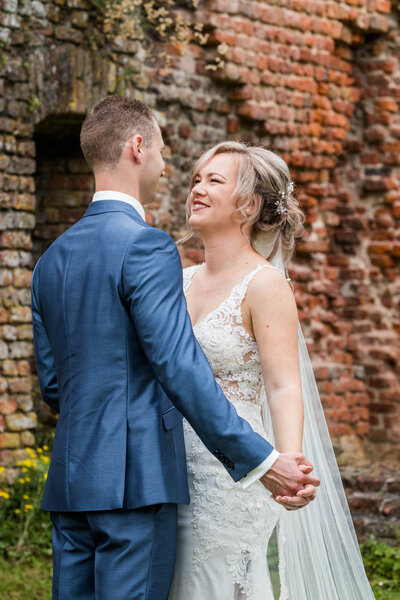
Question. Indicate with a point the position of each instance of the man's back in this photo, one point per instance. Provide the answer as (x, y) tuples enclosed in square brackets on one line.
[(109, 401)]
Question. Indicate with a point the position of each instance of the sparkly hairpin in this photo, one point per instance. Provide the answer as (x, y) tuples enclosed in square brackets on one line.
[(283, 196)]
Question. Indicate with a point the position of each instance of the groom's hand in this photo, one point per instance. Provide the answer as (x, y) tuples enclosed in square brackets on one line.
[(288, 478)]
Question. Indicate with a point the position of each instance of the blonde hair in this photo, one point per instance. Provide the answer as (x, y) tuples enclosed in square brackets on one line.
[(264, 183)]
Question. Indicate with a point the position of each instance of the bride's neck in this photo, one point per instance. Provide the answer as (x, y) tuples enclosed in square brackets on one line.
[(224, 253)]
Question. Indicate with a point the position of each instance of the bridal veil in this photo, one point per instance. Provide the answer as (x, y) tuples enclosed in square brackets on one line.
[(319, 556)]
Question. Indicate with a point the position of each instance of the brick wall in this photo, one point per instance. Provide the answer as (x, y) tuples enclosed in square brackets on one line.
[(315, 81)]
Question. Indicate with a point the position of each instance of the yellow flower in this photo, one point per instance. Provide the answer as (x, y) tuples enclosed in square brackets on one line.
[(17, 511), (40, 450), (45, 448), (22, 480), (45, 459), (24, 470), (4, 494), (45, 476), (28, 507), (2, 469), (25, 497), (31, 452), (27, 479), (28, 462)]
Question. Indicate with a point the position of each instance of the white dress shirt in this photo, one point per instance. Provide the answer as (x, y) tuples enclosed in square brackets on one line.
[(259, 471), (111, 195)]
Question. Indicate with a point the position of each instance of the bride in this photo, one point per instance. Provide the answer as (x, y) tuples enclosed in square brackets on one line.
[(244, 316)]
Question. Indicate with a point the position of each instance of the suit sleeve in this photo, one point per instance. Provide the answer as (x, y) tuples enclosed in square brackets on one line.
[(152, 288), (43, 356)]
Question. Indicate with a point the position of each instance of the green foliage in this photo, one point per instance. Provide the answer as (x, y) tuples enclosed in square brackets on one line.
[(29, 579), (382, 563), (135, 18), (25, 541), (25, 529), (33, 104), (151, 21)]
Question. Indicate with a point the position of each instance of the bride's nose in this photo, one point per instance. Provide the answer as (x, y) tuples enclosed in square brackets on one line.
[(198, 189)]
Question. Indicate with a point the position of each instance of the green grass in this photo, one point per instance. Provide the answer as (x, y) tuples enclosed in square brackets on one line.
[(29, 579), (25, 541), (385, 591)]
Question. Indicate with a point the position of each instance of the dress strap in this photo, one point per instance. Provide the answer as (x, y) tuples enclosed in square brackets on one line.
[(188, 275), (241, 289)]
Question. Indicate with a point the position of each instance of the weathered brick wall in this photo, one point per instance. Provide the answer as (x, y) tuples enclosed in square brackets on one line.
[(315, 81)]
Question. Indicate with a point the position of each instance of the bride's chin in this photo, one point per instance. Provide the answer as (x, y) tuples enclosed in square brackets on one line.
[(196, 223)]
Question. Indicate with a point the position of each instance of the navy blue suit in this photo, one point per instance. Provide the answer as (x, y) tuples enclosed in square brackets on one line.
[(116, 357)]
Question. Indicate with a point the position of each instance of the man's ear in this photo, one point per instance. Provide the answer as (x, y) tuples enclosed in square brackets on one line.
[(136, 145)]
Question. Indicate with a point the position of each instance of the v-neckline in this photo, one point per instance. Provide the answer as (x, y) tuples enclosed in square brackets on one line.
[(218, 308)]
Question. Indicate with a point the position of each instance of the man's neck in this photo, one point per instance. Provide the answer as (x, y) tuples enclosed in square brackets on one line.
[(107, 181)]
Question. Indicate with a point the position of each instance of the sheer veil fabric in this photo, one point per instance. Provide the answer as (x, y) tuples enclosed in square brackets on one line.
[(319, 556)]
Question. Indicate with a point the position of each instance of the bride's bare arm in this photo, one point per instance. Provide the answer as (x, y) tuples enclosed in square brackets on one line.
[(272, 315)]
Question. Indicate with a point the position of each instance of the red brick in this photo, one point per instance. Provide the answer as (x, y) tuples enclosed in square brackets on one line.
[(386, 104), (396, 210), (9, 440), (379, 247), (24, 368), (270, 14), (391, 507), (22, 278), (255, 111), (7, 405), (313, 246), (364, 503)]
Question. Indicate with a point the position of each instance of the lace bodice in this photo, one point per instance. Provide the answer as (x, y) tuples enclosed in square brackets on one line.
[(218, 504), (231, 351)]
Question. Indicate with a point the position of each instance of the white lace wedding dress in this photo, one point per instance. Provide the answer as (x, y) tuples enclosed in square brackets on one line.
[(224, 532)]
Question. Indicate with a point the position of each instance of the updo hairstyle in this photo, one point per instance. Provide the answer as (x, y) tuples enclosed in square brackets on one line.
[(264, 184)]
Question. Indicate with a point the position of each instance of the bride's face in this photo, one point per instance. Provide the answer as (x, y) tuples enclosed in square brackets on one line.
[(211, 202)]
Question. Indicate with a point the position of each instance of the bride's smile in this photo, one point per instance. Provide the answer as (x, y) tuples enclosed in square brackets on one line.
[(212, 199)]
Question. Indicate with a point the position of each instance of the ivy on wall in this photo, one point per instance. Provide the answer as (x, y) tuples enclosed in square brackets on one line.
[(151, 21)]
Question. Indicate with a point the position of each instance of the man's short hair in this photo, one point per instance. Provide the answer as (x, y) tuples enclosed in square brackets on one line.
[(109, 125)]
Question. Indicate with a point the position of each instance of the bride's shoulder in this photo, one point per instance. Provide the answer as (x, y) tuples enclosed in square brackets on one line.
[(267, 273), (270, 296), (268, 283)]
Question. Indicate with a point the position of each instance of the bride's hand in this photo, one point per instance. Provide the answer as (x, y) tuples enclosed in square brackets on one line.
[(302, 498), (289, 474)]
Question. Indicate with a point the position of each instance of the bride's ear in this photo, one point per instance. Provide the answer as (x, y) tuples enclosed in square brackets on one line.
[(250, 209)]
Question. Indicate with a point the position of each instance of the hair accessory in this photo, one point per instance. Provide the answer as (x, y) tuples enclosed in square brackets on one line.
[(283, 196)]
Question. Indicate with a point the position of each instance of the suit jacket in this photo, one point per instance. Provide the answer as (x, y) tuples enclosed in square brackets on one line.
[(116, 356)]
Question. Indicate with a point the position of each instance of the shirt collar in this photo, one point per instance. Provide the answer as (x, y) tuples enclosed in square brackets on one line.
[(111, 195)]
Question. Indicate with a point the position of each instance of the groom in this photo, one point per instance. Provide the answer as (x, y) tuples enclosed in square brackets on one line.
[(116, 357)]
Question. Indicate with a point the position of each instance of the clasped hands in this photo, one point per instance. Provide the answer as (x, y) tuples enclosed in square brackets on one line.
[(290, 482)]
